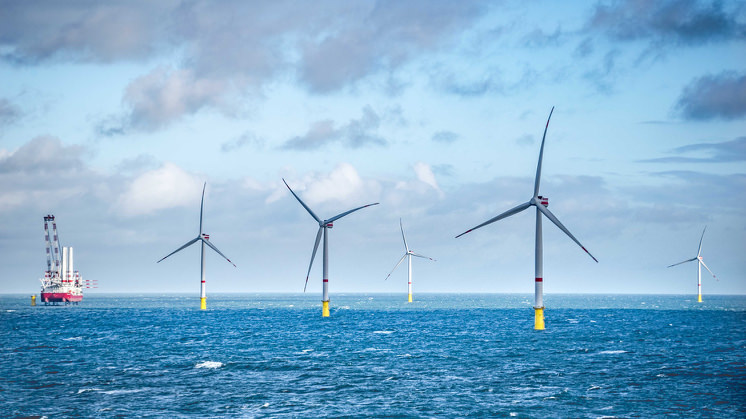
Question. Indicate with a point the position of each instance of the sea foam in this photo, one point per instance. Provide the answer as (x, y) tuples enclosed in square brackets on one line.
[(209, 364)]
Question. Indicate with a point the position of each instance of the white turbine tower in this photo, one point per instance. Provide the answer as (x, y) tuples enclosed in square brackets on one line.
[(205, 239), (541, 204), (700, 264), (408, 254), (324, 225)]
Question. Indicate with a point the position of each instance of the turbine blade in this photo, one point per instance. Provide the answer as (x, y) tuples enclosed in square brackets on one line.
[(212, 246), (688, 260), (201, 207), (544, 210), (699, 249), (708, 269), (337, 217), (422, 256), (541, 156), (302, 203), (396, 266), (402, 236), (189, 243), (313, 256), (507, 213)]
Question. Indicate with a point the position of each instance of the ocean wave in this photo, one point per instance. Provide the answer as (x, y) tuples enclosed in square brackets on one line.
[(613, 352), (209, 364), (383, 332), (74, 338)]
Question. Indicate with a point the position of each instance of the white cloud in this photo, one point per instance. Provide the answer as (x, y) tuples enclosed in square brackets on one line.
[(166, 187), (164, 95), (425, 174), (342, 186)]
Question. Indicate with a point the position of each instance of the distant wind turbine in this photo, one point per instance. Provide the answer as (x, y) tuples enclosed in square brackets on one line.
[(205, 239), (323, 226), (700, 264), (541, 203), (408, 254)]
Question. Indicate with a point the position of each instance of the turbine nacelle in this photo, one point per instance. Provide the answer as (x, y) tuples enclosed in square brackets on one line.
[(205, 236), (539, 200)]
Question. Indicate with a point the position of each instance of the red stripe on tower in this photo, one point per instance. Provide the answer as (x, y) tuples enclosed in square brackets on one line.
[(539, 280)]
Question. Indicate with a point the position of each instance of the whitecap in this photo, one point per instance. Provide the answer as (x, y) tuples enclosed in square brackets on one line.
[(85, 390), (616, 352), (10, 311), (74, 338), (265, 405), (209, 364), (405, 356), (115, 392), (593, 387), (384, 332)]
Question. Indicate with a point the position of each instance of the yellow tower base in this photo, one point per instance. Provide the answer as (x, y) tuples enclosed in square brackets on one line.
[(539, 318), (410, 298), (203, 303), (33, 300), (325, 309), (699, 298)]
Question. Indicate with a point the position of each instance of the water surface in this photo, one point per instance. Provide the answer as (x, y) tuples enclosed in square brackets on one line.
[(443, 355)]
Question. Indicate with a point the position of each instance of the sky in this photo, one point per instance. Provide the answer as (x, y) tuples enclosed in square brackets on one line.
[(114, 114)]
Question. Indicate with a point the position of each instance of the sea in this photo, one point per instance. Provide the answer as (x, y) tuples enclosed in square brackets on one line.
[(444, 355)]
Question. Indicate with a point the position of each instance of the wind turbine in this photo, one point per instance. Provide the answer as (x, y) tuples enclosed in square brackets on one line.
[(324, 225), (205, 239), (700, 264), (408, 254), (541, 203)]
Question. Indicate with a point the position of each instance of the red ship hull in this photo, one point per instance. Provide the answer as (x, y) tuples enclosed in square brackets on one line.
[(60, 297)]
